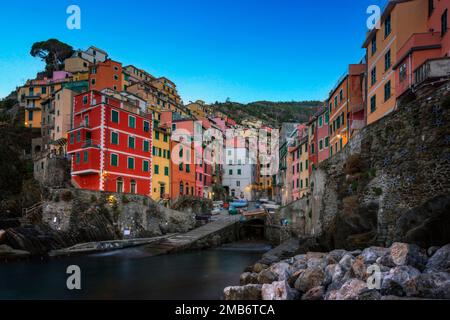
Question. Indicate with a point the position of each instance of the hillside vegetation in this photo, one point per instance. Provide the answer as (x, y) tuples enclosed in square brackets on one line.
[(271, 113)]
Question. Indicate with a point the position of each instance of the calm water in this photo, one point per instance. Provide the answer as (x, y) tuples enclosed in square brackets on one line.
[(129, 274)]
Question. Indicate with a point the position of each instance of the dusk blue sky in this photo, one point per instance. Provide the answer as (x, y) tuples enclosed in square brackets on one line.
[(247, 50)]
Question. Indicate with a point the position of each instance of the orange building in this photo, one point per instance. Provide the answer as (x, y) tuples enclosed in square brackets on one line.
[(433, 42), (346, 106), (106, 74), (400, 19)]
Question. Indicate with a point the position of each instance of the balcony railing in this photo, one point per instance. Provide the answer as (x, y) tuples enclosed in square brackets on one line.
[(432, 69)]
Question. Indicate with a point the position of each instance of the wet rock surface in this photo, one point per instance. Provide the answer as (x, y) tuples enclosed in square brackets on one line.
[(401, 271)]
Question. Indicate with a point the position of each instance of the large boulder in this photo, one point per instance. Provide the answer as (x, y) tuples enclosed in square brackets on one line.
[(430, 286), (309, 279), (258, 267), (350, 290), (316, 293), (248, 278), (408, 254), (279, 290), (248, 292), (371, 254), (440, 261), (369, 294), (346, 262), (336, 255), (282, 270), (396, 281), (266, 276)]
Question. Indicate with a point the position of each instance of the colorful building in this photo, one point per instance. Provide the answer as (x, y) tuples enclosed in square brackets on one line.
[(399, 21), (424, 48), (345, 106), (161, 163), (106, 75), (34, 92), (323, 140), (110, 144)]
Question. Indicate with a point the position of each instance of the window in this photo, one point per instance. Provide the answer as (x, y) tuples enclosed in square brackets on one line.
[(133, 186), (132, 122), (116, 77), (131, 163), (387, 60), (77, 157), (341, 95), (114, 138), (85, 156), (156, 169), (145, 166), (320, 145), (230, 172), (72, 138), (327, 142), (306, 165), (238, 183), (387, 91), (402, 72), (327, 117), (30, 115), (340, 144), (43, 90), (146, 126), (180, 167), (119, 185), (239, 172), (157, 135), (166, 138), (85, 99), (146, 145), (301, 184), (312, 148), (336, 102), (444, 22), (188, 168), (387, 26), (373, 104), (174, 126), (114, 160), (131, 142), (166, 171), (181, 187), (374, 44), (93, 82), (78, 136), (115, 116), (373, 76)]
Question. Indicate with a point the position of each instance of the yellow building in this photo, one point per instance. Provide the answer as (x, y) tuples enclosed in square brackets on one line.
[(161, 163), (398, 22), (197, 108), (30, 97)]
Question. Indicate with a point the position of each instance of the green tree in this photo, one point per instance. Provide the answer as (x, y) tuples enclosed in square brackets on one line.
[(53, 52)]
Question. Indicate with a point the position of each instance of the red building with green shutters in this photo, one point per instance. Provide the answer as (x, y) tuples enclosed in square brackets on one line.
[(110, 144)]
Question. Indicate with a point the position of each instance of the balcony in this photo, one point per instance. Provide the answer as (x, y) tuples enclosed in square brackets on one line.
[(431, 70), (91, 144), (419, 41)]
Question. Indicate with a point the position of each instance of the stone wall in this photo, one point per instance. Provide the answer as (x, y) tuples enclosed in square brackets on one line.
[(52, 171), (391, 182)]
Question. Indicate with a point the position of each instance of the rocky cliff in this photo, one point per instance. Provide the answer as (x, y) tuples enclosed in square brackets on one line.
[(71, 216), (390, 183)]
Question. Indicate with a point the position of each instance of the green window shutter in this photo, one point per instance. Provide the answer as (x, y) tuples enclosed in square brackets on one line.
[(131, 163), (115, 116), (78, 136), (156, 169), (78, 158), (166, 138), (115, 138), (114, 160), (166, 171), (131, 142), (146, 145), (85, 156), (72, 138), (157, 135), (132, 122), (145, 166), (188, 168), (239, 171)]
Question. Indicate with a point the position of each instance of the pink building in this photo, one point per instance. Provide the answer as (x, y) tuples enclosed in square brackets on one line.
[(323, 140)]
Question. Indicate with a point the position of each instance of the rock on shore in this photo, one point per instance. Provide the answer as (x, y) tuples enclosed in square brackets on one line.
[(403, 271)]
